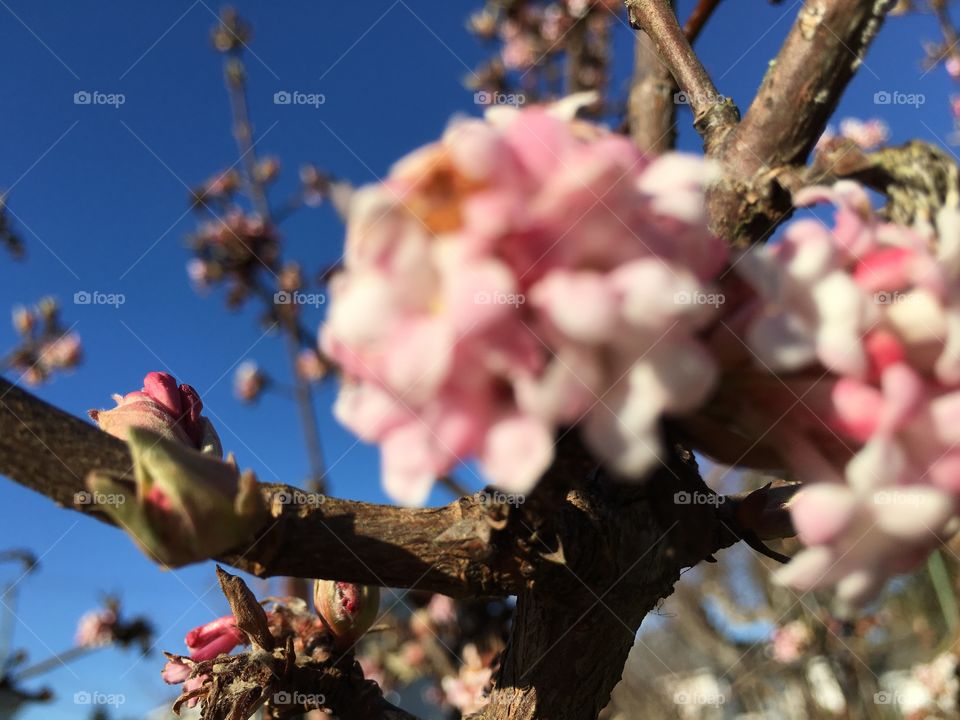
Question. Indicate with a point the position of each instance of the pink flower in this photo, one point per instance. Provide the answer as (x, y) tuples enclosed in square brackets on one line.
[(96, 628), (790, 641), (310, 366), (175, 671), (248, 381), (468, 690), (215, 638), (862, 322), (522, 274), (857, 538), (62, 352), (867, 134), (163, 407), (952, 66)]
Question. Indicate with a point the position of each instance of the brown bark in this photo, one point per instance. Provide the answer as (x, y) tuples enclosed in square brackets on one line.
[(624, 547), (587, 556), (447, 549), (799, 93)]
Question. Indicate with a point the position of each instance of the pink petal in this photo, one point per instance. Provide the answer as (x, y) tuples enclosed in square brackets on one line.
[(518, 450), (857, 407), (581, 304), (410, 464), (822, 512)]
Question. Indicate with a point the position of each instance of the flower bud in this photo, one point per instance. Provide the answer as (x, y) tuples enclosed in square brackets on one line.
[(170, 411), (182, 506), (23, 320), (346, 609), (217, 636)]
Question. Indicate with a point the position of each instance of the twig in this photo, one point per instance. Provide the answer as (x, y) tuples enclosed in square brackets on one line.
[(714, 115), (243, 132), (698, 19)]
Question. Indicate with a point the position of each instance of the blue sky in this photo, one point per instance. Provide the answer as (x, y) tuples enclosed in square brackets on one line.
[(99, 196)]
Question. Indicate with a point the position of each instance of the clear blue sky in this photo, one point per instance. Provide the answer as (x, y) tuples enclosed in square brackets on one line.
[(99, 197)]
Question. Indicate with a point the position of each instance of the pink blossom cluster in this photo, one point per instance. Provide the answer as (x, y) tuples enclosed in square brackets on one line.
[(866, 134), (523, 274), (789, 642), (204, 643), (96, 628), (862, 323)]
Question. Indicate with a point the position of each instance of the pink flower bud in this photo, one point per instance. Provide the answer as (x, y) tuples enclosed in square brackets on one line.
[(165, 408), (346, 609), (216, 637), (23, 320), (175, 672), (96, 628)]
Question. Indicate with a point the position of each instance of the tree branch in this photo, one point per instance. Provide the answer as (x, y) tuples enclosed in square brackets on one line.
[(451, 550), (651, 110), (623, 548), (713, 114), (801, 90)]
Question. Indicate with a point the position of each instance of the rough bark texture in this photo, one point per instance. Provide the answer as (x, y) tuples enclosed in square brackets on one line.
[(624, 546), (798, 95), (588, 557), (447, 550), (651, 110)]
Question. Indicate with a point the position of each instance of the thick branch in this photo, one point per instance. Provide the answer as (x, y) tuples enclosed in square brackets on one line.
[(801, 90), (651, 109), (713, 114), (451, 550), (624, 547)]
